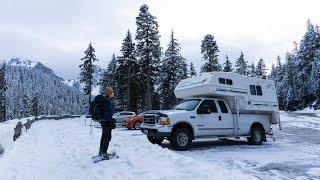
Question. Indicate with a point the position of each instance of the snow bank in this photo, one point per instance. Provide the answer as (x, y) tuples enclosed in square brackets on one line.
[(314, 172), (7, 132), (301, 120), (307, 110)]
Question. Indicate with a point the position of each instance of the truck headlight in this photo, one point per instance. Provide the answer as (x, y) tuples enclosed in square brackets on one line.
[(165, 121)]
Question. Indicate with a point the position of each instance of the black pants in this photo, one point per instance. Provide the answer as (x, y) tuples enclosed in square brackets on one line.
[(105, 139)]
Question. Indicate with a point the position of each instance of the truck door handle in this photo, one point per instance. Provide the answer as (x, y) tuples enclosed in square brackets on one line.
[(220, 118)]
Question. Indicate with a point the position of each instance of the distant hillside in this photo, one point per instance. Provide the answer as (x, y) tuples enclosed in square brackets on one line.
[(32, 85)]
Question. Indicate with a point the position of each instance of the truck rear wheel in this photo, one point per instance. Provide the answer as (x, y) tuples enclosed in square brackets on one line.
[(181, 139), (256, 136), (155, 140)]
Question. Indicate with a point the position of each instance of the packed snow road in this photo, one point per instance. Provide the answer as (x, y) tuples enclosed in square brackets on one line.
[(63, 149)]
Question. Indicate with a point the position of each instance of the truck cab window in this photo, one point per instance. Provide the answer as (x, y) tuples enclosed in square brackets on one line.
[(229, 81), (222, 80), (259, 90), (223, 107), (253, 90), (211, 104)]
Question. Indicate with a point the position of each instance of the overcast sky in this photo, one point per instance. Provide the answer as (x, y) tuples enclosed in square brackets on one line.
[(56, 32)]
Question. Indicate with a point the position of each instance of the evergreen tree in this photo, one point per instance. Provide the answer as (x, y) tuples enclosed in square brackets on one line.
[(209, 51), (24, 109), (148, 52), (315, 79), (278, 79), (192, 70), (128, 72), (273, 72), (87, 69), (241, 65), (227, 65), (279, 65), (290, 95), (252, 70), (308, 46), (34, 106), (109, 75), (305, 56), (261, 69), (173, 70), (3, 88)]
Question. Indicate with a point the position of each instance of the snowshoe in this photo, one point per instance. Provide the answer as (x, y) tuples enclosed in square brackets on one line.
[(103, 157)]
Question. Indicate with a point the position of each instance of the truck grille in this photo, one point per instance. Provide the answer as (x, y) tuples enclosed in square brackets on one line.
[(150, 119)]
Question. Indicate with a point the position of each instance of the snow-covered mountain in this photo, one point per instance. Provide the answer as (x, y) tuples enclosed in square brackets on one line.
[(32, 85), (31, 64)]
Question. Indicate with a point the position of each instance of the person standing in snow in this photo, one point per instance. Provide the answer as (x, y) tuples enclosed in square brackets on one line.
[(102, 109)]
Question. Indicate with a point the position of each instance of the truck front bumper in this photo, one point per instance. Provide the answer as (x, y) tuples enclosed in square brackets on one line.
[(154, 133)]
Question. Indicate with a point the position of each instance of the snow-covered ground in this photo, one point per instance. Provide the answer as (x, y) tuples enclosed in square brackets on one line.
[(63, 149)]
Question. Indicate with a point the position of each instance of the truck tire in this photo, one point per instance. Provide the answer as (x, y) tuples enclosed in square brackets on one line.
[(181, 139), (155, 140), (256, 136), (136, 125)]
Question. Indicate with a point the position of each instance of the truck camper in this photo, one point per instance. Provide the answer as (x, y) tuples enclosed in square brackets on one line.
[(216, 105)]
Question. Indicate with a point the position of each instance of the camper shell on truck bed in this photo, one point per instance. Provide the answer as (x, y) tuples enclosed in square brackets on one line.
[(245, 95)]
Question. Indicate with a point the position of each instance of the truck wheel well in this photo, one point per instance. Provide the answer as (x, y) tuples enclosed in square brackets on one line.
[(259, 125), (184, 125)]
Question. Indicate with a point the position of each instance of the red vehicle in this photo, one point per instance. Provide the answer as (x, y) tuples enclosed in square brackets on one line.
[(133, 122)]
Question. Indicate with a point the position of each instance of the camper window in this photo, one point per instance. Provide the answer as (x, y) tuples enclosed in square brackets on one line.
[(259, 90), (223, 107), (225, 81), (229, 81), (222, 81), (211, 104), (255, 90)]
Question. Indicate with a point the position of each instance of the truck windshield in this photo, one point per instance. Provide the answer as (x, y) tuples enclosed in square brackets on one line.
[(188, 105)]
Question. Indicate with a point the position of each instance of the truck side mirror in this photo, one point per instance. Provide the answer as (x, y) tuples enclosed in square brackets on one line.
[(203, 110)]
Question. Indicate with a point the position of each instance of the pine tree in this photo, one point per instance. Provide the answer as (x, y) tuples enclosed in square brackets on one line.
[(209, 51), (227, 65), (128, 72), (173, 70), (241, 66), (252, 70), (109, 75), (290, 95), (315, 79), (3, 88), (273, 72), (34, 106), (148, 52), (87, 69), (192, 70), (261, 69), (305, 57), (25, 104)]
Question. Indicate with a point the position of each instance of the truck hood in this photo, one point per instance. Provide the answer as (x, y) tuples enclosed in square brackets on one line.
[(167, 112), (171, 112)]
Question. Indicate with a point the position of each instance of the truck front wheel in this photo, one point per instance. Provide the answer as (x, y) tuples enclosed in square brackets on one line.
[(256, 136), (155, 140), (181, 139)]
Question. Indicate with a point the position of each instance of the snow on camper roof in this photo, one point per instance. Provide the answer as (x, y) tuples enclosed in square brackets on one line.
[(193, 81)]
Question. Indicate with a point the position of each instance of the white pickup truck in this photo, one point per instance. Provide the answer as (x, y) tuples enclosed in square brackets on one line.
[(233, 113)]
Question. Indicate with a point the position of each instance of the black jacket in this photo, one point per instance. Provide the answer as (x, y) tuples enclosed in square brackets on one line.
[(107, 108)]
